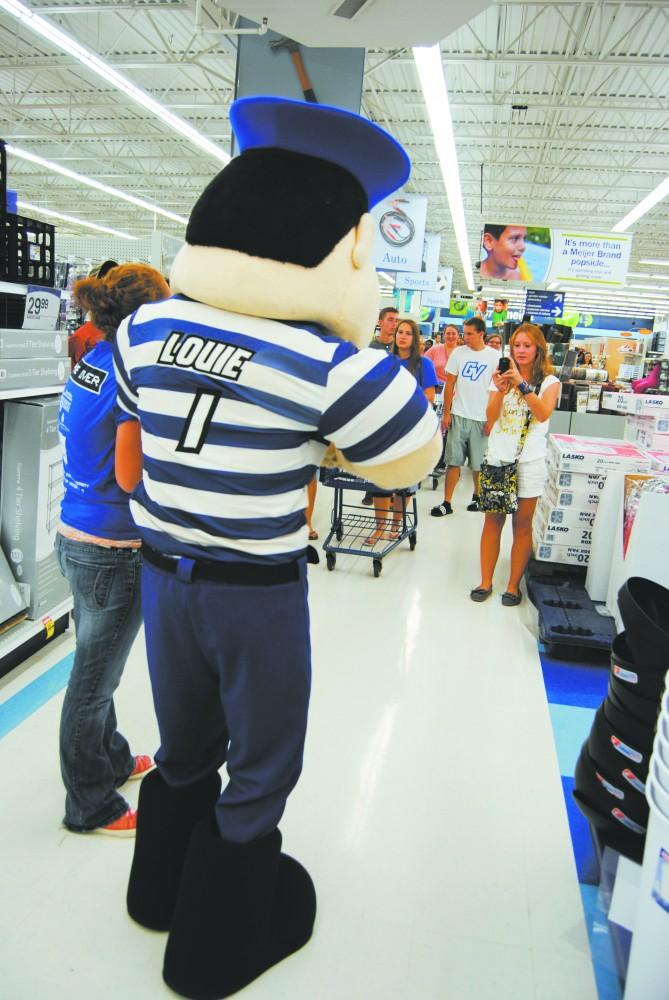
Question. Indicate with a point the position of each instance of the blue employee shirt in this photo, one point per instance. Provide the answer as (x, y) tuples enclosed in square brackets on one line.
[(87, 421), (426, 375), (236, 414)]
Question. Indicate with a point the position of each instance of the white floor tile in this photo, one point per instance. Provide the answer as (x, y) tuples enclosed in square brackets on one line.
[(429, 812)]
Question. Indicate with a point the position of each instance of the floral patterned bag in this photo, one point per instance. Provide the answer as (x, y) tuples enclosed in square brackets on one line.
[(498, 487)]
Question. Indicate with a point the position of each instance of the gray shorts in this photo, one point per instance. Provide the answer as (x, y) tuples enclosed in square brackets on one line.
[(466, 440)]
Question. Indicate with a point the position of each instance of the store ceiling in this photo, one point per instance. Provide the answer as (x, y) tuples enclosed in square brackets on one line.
[(560, 109)]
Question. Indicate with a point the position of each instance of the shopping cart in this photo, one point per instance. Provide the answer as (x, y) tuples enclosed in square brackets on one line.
[(352, 525), (437, 473)]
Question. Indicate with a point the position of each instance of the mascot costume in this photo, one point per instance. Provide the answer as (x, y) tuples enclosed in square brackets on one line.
[(241, 382)]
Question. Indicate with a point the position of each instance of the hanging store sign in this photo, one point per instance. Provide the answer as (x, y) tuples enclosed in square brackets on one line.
[(400, 232), (534, 254), (440, 295), (424, 280), (542, 305)]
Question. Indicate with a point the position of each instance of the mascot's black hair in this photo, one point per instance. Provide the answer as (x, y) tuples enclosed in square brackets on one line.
[(278, 204)]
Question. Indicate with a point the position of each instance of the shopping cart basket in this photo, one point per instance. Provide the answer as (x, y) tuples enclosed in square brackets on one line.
[(352, 525)]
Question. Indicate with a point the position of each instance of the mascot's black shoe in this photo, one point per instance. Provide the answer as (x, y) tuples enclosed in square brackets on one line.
[(166, 818), (241, 909)]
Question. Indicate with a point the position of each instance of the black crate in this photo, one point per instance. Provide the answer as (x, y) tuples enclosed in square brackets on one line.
[(29, 251)]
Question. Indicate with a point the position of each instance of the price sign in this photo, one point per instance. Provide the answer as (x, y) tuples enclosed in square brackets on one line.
[(42, 308)]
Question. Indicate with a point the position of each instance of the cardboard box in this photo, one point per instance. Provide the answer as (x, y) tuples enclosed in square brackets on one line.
[(12, 597), (33, 373), (578, 482), (639, 403), (576, 517), (569, 554), (546, 532), (659, 461), (649, 432), (33, 344), (569, 498), (31, 491), (646, 405), (619, 402), (583, 454)]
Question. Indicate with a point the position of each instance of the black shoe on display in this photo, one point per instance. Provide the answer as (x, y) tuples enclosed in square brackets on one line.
[(443, 509), (474, 505)]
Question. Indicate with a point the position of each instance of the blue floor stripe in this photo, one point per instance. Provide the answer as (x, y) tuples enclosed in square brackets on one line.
[(571, 728), (16, 709), (603, 960), (573, 683)]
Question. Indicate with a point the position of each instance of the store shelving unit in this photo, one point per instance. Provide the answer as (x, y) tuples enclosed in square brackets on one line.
[(22, 640)]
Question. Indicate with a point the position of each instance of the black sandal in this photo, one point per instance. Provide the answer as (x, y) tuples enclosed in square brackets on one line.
[(442, 510), (480, 594)]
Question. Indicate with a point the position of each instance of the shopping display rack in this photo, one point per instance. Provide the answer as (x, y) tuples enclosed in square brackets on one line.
[(353, 524)]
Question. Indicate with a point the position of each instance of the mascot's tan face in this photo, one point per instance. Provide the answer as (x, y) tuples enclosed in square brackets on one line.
[(342, 292)]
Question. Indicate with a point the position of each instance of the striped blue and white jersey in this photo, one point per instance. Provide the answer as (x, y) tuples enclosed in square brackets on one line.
[(236, 413)]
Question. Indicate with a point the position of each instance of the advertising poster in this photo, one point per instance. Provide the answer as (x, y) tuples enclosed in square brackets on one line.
[(400, 232), (440, 295), (595, 258), (536, 254), (426, 278)]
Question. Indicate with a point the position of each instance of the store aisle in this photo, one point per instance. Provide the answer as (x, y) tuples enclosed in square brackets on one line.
[(430, 811)]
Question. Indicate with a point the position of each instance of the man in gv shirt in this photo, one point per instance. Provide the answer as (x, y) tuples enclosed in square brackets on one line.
[(468, 375)]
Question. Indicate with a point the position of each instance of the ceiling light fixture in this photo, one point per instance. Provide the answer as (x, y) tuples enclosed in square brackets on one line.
[(645, 205), (90, 182), (26, 206), (654, 260), (433, 82), (97, 65)]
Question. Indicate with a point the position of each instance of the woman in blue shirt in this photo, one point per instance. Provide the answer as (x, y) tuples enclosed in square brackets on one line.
[(407, 348), (98, 551)]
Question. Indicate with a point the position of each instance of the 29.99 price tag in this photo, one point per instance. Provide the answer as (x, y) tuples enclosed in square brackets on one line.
[(42, 308)]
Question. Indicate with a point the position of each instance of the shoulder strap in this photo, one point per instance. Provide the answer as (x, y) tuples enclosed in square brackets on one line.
[(526, 428)]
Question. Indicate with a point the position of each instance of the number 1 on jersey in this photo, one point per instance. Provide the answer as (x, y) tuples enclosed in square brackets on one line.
[(198, 422)]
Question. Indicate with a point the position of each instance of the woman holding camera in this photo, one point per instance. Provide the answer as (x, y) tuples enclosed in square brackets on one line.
[(520, 404)]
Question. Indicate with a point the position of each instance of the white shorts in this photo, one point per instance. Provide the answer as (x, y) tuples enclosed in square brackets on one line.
[(532, 478)]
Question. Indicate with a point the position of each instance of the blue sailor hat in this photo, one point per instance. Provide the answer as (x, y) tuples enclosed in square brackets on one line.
[(370, 154)]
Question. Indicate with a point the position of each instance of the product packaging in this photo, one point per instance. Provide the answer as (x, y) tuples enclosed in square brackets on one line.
[(583, 454), (12, 596), (570, 554), (618, 402), (32, 344), (551, 532), (33, 373), (31, 491), (576, 517), (659, 460)]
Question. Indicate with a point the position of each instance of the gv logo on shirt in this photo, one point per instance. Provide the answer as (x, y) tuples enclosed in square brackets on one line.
[(473, 370)]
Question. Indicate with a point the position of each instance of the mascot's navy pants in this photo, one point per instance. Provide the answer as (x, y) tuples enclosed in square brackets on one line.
[(230, 668)]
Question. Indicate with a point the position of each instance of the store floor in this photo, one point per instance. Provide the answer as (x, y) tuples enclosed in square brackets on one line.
[(430, 811)]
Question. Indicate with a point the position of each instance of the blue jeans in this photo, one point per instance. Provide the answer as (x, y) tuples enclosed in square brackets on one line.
[(94, 757)]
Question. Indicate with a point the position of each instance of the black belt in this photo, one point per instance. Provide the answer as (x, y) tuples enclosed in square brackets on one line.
[(245, 574)]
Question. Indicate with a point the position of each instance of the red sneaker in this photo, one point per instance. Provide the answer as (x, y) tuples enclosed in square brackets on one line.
[(124, 826), (143, 764)]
